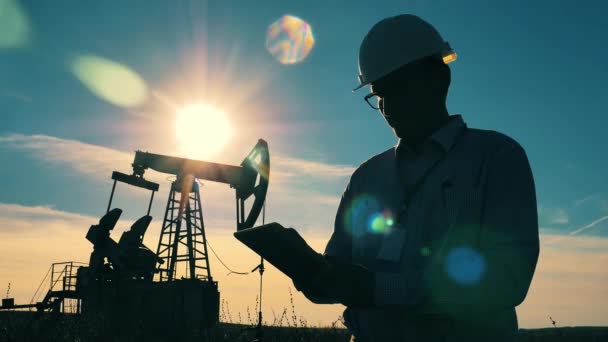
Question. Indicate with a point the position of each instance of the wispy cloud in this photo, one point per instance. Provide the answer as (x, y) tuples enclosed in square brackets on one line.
[(584, 200), (588, 226), (290, 167), (22, 220), (88, 159), (99, 161), (554, 215), (576, 231), (46, 211), (15, 96), (560, 217)]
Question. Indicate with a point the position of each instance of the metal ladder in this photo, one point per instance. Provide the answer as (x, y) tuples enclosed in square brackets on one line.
[(182, 245)]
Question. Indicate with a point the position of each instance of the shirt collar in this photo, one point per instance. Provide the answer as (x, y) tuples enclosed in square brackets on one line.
[(445, 136)]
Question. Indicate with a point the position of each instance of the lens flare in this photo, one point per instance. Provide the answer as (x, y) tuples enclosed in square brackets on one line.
[(14, 25), (364, 214), (289, 39), (110, 80), (255, 158), (425, 251), (464, 265), (381, 223), (358, 213)]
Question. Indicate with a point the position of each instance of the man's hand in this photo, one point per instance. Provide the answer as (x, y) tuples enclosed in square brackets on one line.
[(339, 281)]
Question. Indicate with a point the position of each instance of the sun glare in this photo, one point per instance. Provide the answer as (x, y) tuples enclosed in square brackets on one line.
[(202, 131)]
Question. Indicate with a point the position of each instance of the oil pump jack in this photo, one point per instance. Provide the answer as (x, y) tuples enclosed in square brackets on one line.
[(132, 287)]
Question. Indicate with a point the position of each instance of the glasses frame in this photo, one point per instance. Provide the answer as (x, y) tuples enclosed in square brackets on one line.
[(374, 106)]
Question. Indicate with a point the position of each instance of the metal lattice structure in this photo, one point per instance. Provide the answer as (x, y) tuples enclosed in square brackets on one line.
[(119, 289), (183, 246)]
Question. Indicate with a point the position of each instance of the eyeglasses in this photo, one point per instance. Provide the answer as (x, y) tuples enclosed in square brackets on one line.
[(378, 105)]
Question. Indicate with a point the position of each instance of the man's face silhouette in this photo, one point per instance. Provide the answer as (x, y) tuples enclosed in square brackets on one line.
[(411, 99)]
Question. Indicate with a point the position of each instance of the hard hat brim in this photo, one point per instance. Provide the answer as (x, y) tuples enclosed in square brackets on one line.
[(447, 57), (360, 86)]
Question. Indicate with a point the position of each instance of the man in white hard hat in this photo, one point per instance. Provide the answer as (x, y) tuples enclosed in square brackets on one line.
[(435, 239)]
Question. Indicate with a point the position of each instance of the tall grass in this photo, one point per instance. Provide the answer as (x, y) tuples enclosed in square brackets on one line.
[(287, 326)]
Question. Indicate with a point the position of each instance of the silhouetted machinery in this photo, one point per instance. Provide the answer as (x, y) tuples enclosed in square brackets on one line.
[(119, 287), (127, 259)]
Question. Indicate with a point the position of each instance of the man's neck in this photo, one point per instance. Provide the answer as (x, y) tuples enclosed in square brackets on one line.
[(435, 122)]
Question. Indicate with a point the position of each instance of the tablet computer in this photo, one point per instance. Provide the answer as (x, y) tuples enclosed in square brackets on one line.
[(284, 248)]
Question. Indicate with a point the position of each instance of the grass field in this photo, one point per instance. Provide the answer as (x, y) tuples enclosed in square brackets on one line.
[(28, 326)]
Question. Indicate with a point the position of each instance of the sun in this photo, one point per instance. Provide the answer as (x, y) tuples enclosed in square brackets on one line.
[(202, 131)]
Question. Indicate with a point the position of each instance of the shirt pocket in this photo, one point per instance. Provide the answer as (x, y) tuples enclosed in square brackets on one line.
[(463, 206), (392, 245)]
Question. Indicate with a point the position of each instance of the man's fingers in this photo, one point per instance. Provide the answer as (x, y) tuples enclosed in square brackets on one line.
[(314, 294)]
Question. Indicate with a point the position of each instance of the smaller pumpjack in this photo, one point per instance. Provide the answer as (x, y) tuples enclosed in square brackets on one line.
[(129, 258)]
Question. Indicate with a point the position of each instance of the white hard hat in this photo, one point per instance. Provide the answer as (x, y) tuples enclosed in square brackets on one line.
[(396, 41)]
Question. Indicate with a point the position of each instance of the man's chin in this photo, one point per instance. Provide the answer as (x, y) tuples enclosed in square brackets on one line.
[(401, 133), (396, 132), (402, 128), (411, 137)]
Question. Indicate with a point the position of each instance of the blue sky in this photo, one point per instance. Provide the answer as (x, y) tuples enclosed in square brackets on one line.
[(534, 70)]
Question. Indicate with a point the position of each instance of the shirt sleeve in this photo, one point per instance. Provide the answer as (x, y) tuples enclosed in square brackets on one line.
[(340, 243), (498, 273)]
